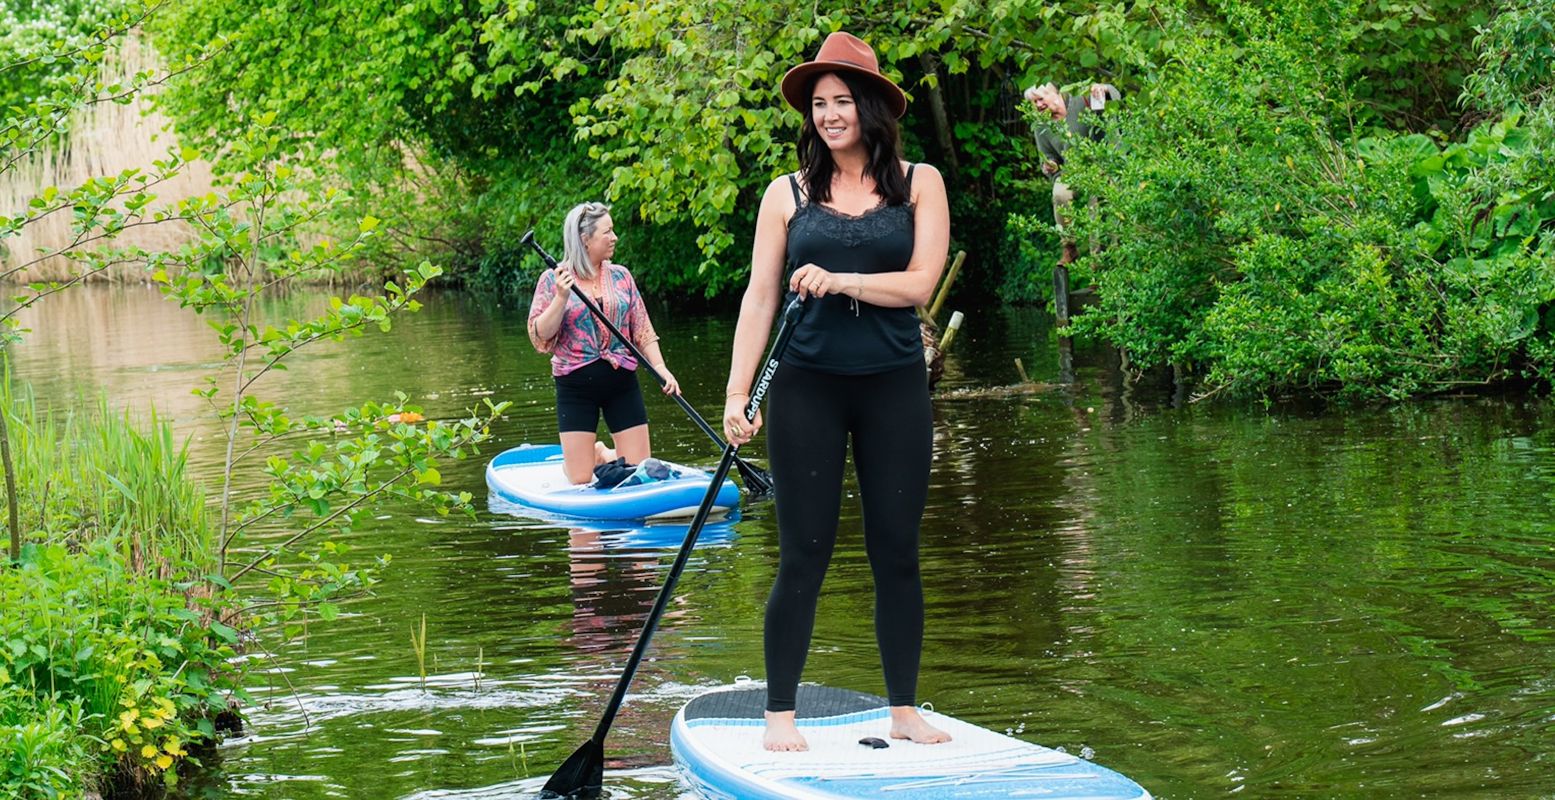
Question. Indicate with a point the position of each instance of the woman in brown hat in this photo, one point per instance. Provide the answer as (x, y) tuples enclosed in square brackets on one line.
[(863, 235)]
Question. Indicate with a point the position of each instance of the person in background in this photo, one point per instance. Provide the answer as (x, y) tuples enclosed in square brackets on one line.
[(594, 373), (1078, 113), (863, 235)]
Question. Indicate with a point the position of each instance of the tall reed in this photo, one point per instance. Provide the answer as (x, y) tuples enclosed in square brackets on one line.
[(104, 139), (98, 475)]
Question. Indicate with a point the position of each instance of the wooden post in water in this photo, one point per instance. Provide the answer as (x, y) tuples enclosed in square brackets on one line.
[(1065, 360), (950, 331), (944, 287), (1061, 293), (1061, 316)]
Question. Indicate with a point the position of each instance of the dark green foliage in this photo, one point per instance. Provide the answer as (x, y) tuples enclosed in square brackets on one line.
[(1258, 241), (1262, 221), (1408, 60), (1516, 56)]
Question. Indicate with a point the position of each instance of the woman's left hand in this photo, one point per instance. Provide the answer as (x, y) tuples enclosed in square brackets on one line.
[(812, 281), (671, 386)]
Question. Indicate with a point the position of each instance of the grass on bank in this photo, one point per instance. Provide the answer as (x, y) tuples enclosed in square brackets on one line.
[(114, 662)]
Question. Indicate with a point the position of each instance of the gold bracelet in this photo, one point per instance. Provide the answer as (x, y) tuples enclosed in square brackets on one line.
[(858, 286), (728, 395)]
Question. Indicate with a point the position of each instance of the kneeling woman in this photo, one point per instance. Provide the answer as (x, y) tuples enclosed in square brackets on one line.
[(594, 372)]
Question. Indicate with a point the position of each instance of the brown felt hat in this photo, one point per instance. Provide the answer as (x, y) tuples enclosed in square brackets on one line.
[(842, 52)]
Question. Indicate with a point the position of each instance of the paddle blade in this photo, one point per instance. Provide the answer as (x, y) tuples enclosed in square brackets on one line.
[(580, 776), (757, 480)]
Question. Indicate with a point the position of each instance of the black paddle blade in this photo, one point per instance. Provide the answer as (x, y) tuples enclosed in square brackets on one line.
[(757, 480), (581, 776)]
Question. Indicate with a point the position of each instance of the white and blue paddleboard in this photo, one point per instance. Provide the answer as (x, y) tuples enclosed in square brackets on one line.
[(716, 741), (531, 476)]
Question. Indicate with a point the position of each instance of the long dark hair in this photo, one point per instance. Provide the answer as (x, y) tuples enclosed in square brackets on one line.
[(878, 131)]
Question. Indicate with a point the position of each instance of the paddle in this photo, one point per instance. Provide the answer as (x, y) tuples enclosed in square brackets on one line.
[(583, 773), (756, 479)]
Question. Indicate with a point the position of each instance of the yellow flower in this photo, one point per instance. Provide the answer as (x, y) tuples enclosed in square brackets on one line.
[(118, 744), (149, 751), (164, 761)]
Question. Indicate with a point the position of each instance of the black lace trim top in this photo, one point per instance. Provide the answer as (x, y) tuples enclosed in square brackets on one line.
[(837, 334)]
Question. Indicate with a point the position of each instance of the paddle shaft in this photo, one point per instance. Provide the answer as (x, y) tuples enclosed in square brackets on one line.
[(756, 480), (785, 332)]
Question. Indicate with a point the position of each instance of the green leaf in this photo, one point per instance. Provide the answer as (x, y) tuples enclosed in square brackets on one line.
[(224, 632)]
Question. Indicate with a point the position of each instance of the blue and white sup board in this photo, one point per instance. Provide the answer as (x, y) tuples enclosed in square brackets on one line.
[(531, 476), (716, 741)]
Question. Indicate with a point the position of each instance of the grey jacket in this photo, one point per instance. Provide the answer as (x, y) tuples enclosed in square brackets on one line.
[(1079, 121)]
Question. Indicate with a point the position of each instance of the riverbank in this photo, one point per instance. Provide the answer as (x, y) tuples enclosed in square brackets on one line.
[(116, 662)]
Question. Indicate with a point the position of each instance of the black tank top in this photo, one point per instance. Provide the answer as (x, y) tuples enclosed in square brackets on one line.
[(838, 334)]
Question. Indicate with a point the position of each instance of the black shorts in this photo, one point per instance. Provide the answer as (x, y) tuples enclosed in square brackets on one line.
[(595, 387)]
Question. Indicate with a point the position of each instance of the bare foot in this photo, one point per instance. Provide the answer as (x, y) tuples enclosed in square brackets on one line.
[(603, 454), (907, 723), (781, 734)]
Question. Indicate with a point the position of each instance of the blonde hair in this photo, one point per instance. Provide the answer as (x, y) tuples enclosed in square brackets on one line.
[(581, 223)]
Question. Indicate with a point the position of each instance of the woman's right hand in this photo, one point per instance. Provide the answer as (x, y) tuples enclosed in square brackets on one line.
[(564, 281), (736, 429)]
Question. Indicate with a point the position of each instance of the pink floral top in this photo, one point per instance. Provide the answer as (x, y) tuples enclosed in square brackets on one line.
[(581, 339)]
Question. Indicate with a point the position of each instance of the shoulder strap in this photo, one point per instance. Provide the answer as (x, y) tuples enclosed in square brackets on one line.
[(793, 183), (910, 168)]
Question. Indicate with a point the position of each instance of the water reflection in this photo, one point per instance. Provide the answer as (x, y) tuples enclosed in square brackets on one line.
[(1295, 603), (616, 576)]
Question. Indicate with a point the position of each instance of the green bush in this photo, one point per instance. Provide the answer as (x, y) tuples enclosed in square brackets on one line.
[(138, 664), (113, 655), (1516, 56), (1258, 240), (41, 745)]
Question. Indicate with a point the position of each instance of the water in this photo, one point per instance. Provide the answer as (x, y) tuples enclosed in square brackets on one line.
[(1211, 600)]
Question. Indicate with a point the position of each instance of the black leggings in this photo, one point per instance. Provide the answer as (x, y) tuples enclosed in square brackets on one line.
[(811, 418)]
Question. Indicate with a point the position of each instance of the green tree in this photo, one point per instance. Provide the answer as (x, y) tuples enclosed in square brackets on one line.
[(37, 40), (248, 245), (1262, 239), (670, 107)]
